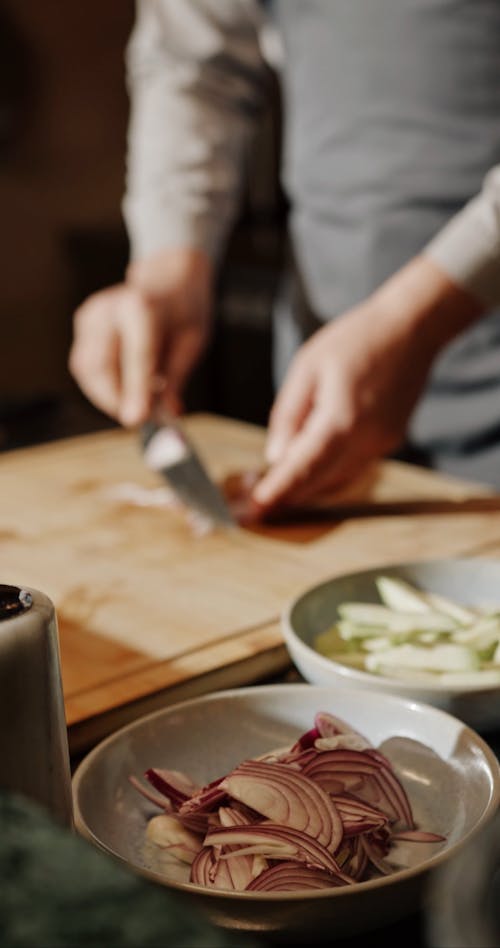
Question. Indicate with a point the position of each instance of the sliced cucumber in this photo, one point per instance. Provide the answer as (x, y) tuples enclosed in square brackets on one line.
[(373, 615), (418, 636), (400, 595), (437, 658)]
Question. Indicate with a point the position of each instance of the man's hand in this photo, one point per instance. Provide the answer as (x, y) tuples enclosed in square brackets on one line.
[(144, 334), (352, 388)]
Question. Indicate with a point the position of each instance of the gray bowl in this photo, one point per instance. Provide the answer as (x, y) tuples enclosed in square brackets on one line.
[(450, 774), (467, 581)]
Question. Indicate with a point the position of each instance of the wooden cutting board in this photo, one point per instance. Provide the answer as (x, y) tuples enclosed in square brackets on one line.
[(148, 610)]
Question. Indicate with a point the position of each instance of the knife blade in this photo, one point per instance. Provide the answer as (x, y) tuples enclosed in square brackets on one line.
[(168, 451)]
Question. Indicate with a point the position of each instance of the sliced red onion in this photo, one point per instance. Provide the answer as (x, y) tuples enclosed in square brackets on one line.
[(205, 810), (329, 725), (298, 758), (342, 742), (418, 836), (207, 870), (162, 780), (240, 869), (339, 770), (353, 858), (233, 872), (288, 798), (232, 816), (205, 800), (156, 798), (375, 856), (395, 795), (291, 876), (403, 805), (331, 767), (330, 793), (275, 842), (306, 740), (357, 816), (196, 822), (168, 833)]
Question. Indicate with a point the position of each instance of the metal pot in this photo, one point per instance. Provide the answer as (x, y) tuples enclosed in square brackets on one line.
[(34, 755)]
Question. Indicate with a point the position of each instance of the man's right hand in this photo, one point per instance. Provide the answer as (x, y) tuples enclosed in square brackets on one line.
[(144, 334)]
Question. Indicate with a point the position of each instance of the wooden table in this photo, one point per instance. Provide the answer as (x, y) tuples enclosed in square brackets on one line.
[(150, 613)]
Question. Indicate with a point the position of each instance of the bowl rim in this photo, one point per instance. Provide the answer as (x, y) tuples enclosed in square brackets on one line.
[(394, 878), (361, 677)]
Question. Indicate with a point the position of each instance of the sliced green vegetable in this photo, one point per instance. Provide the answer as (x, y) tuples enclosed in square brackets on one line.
[(374, 615), (417, 636), (400, 595), (452, 609), (437, 658)]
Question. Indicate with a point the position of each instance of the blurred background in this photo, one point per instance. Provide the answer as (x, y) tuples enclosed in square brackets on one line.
[(63, 119)]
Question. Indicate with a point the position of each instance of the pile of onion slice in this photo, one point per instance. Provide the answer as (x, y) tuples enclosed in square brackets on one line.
[(322, 813)]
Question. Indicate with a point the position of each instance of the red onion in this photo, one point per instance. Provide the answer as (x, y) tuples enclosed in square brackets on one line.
[(290, 876), (306, 740), (328, 725), (350, 769), (288, 798), (321, 813), (156, 798), (276, 842), (418, 836), (164, 781), (357, 816), (375, 853), (204, 800), (353, 858)]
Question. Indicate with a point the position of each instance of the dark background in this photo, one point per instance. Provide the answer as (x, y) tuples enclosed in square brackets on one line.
[(63, 118)]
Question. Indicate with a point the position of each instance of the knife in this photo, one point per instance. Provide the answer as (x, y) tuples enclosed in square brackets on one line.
[(168, 451)]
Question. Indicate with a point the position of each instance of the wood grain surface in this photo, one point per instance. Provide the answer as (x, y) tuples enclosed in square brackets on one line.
[(150, 611)]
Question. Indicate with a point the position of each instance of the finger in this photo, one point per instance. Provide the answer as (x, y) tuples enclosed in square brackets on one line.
[(93, 358), (293, 404), (302, 460), (333, 475), (139, 345)]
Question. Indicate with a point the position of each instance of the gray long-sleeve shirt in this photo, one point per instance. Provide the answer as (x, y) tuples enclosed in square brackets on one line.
[(196, 78), (391, 148)]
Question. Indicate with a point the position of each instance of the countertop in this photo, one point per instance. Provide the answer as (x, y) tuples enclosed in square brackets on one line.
[(149, 614)]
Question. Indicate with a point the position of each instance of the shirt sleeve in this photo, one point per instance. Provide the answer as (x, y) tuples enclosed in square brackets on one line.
[(468, 247), (196, 81)]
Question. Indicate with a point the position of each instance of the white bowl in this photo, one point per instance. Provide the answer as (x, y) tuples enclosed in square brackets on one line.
[(467, 581), (453, 784)]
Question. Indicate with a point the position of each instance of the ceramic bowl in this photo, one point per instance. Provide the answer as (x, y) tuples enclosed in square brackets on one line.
[(449, 772), (467, 581)]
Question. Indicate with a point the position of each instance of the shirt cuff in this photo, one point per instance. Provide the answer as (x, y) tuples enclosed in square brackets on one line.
[(468, 249)]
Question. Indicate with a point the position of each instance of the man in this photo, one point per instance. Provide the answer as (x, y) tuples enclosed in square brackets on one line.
[(392, 123)]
